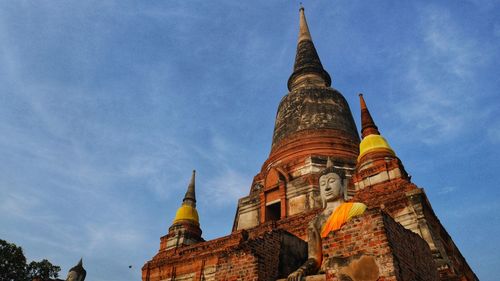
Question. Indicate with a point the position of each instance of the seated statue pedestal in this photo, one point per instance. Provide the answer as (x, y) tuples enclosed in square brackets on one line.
[(372, 247)]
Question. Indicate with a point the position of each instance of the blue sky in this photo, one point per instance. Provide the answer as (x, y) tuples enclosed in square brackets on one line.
[(107, 106)]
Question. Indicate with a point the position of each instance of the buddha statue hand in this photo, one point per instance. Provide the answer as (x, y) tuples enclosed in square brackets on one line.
[(308, 268)]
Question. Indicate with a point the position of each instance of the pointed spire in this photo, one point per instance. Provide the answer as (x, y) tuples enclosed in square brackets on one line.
[(368, 126), (304, 33), (79, 270), (372, 140), (78, 267), (187, 211), (329, 163), (190, 197), (307, 70)]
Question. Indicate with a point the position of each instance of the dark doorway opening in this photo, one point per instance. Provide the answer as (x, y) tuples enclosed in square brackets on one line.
[(273, 212)]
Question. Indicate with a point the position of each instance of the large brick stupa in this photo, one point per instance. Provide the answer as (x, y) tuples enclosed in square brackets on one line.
[(397, 237)]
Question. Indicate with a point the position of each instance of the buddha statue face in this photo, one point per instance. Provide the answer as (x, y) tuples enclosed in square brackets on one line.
[(330, 187)]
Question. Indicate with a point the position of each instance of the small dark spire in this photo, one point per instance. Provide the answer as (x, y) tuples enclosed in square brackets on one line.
[(307, 68), (78, 267), (190, 197), (368, 126), (79, 270), (329, 163)]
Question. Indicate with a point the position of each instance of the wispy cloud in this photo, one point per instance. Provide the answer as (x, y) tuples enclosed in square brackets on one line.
[(454, 50), (21, 206), (75, 156), (446, 190), (437, 104), (99, 236), (227, 183), (106, 106), (483, 210), (227, 187)]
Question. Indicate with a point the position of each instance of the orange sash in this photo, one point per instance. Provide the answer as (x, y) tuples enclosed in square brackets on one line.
[(341, 215)]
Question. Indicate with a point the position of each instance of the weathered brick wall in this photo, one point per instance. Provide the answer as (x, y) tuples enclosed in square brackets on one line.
[(184, 261), (398, 254), (412, 256), (460, 269), (234, 257), (409, 205), (238, 265), (273, 255), (267, 249), (389, 194), (364, 235), (296, 225), (258, 259)]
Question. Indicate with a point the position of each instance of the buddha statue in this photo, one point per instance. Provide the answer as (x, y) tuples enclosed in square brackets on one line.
[(336, 212)]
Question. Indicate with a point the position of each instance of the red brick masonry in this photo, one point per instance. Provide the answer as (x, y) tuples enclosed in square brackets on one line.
[(399, 254)]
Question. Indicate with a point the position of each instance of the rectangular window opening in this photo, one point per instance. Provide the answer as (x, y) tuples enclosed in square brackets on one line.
[(273, 212)]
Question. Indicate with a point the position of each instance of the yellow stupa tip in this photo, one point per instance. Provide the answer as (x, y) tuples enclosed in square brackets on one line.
[(373, 143), (187, 213)]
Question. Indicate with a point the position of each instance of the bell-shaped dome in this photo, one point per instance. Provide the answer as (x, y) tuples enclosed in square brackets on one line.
[(313, 118), (372, 143), (187, 213)]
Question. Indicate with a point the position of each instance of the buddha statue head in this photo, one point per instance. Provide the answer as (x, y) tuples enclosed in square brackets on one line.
[(332, 185)]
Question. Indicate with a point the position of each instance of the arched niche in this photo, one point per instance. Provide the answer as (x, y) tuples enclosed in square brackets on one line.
[(273, 178)]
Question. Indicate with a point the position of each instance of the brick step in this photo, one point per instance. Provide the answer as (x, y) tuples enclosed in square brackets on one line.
[(318, 277)]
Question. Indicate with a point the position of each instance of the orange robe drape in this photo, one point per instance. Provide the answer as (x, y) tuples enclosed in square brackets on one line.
[(341, 215)]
